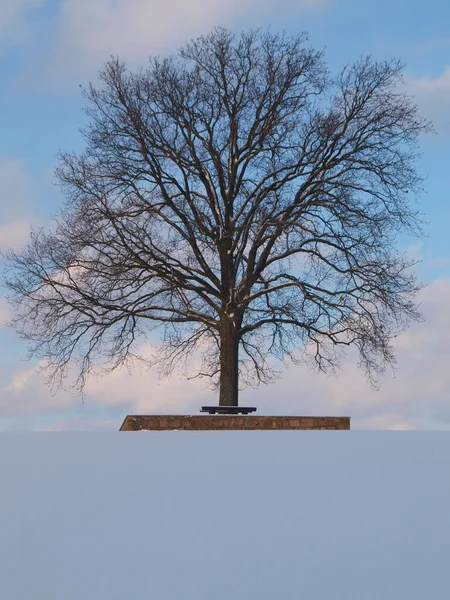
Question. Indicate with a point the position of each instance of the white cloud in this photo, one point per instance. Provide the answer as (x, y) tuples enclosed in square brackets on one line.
[(432, 95), (89, 31), (14, 234), (415, 47), (123, 392), (145, 393), (440, 262), (13, 18), (4, 312), (417, 398)]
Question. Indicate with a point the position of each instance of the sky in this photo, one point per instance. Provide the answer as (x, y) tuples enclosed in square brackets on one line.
[(48, 48), (241, 515)]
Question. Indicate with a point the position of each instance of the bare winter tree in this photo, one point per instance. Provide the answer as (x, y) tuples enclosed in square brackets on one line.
[(240, 198)]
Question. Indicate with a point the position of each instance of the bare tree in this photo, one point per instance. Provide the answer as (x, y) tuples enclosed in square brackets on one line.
[(240, 198)]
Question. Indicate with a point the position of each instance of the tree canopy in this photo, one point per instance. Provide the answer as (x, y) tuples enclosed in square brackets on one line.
[(240, 199)]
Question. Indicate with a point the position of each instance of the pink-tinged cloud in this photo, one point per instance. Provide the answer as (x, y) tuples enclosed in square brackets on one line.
[(89, 424), (416, 398)]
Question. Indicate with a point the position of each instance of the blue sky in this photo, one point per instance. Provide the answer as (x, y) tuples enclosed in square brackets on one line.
[(48, 48)]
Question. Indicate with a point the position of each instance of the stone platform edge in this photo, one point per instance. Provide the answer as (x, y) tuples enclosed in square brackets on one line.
[(230, 422)]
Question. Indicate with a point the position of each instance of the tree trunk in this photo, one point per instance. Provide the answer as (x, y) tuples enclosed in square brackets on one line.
[(229, 363)]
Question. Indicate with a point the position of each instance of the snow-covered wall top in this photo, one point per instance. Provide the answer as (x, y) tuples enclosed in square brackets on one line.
[(225, 516)]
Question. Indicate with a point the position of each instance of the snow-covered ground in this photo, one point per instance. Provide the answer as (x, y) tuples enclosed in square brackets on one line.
[(225, 516)]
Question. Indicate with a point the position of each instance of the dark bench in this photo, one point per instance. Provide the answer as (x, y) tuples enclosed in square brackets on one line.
[(228, 410)]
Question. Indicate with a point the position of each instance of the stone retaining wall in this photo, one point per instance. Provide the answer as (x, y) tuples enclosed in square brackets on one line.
[(227, 422)]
